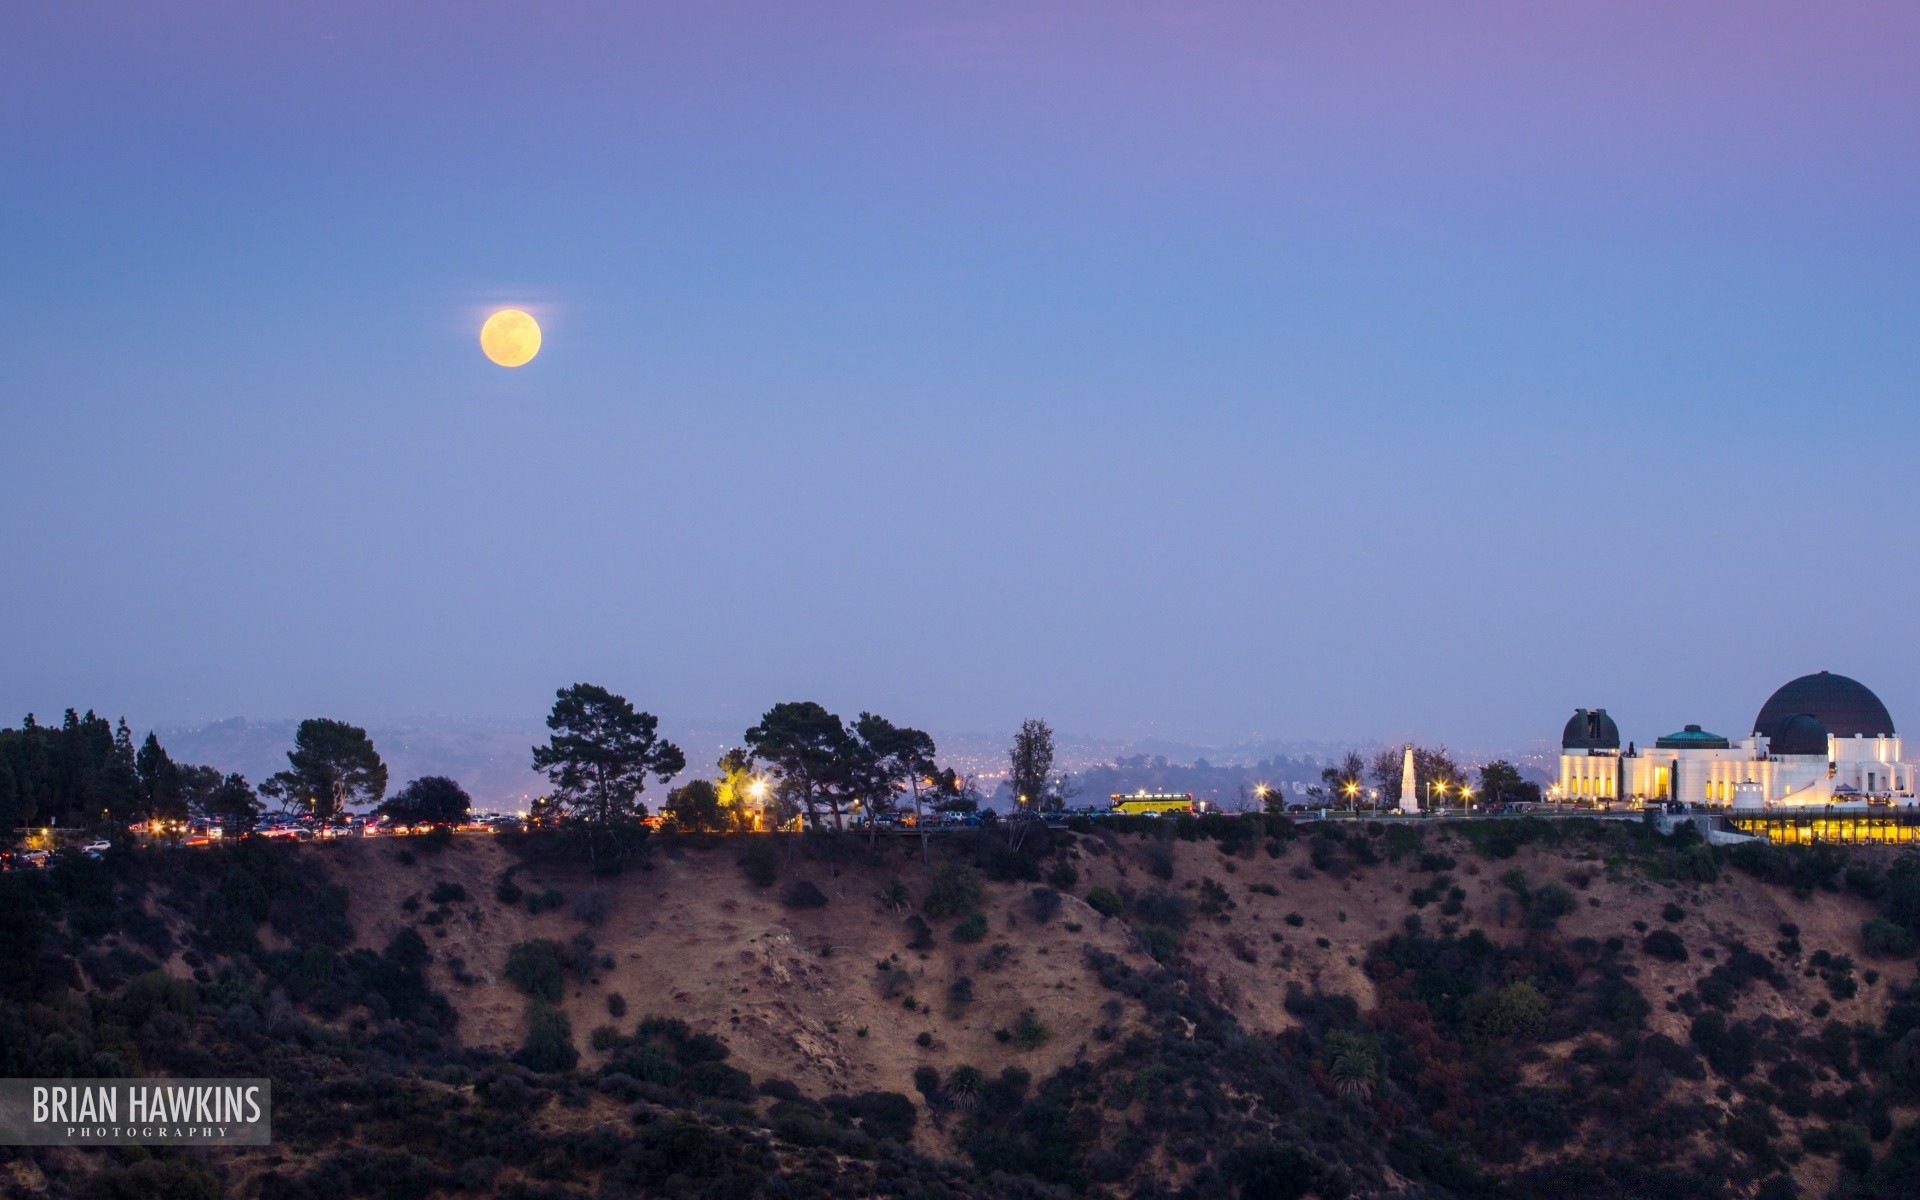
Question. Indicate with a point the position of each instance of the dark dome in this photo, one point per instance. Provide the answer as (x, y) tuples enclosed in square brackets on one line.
[(1844, 706), (1590, 729), (1801, 733)]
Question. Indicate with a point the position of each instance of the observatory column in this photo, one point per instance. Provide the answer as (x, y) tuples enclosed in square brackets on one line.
[(1409, 801)]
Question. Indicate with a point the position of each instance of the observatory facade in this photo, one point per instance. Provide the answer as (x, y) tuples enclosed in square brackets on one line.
[(1821, 739)]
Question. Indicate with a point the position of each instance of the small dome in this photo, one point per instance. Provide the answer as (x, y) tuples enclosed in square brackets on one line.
[(1801, 733), (1590, 729), (1843, 705), (1692, 738)]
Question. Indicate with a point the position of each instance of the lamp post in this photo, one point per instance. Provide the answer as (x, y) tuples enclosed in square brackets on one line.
[(1431, 784), (1353, 790), (1466, 795)]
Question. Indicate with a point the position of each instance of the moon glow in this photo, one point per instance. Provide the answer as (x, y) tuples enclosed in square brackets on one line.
[(510, 338)]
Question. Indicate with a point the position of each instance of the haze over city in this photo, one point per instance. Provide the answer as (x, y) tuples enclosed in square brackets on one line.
[(1214, 375)]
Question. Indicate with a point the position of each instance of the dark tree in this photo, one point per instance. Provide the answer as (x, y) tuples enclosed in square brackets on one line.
[(600, 754), (1030, 768), (891, 760), (694, 807), (1502, 783), (162, 792), (331, 767), (233, 806), (1345, 781), (429, 800), (811, 755), (952, 792)]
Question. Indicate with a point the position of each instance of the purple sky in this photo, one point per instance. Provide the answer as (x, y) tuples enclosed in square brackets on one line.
[(1199, 370)]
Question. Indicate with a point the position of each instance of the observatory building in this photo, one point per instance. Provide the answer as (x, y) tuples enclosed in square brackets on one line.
[(1821, 739)]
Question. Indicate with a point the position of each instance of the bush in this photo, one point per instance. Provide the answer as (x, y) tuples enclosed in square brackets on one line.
[(1106, 901), (719, 1080), (616, 1005), (1170, 909), (1064, 875), (536, 968), (761, 861), (803, 894), (887, 1115), (1030, 1032), (157, 992), (447, 892), (1043, 904), (539, 902), (973, 929), (1295, 919), (1884, 939), (593, 906), (955, 890), (549, 1045), (1664, 944), (507, 891), (1162, 943), (1673, 912), (1517, 1011)]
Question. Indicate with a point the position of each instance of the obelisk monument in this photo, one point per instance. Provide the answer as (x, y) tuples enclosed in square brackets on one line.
[(1409, 801)]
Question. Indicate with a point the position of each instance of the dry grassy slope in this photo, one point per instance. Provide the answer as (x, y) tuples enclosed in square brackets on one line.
[(790, 990)]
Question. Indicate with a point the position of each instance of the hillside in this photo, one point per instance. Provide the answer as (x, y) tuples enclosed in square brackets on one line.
[(1229, 1006)]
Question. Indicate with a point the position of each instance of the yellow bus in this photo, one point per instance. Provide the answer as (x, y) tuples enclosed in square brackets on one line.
[(1152, 804)]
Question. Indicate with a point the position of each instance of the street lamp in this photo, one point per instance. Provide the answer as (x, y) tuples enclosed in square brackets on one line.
[(1431, 784), (1353, 789), (1466, 795)]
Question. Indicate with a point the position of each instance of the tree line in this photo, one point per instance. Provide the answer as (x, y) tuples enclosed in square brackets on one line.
[(87, 774), (798, 762), (1357, 782)]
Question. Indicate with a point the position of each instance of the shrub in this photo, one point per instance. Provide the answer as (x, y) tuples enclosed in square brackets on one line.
[(973, 929), (1106, 901), (539, 902), (616, 1005), (158, 992), (535, 968), (803, 894), (507, 891), (1042, 904), (1884, 939), (1517, 1011), (1064, 875), (955, 890), (720, 1080), (1156, 907), (549, 1045), (1030, 1033), (761, 861), (593, 906), (447, 892), (887, 1115), (1664, 944), (1295, 919), (1159, 857), (1011, 866), (1673, 912), (1162, 943), (1696, 863)]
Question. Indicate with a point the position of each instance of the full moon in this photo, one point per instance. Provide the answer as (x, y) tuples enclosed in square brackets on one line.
[(510, 338)]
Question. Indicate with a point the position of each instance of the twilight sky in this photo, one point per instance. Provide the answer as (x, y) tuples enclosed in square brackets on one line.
[(1204, 370)]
